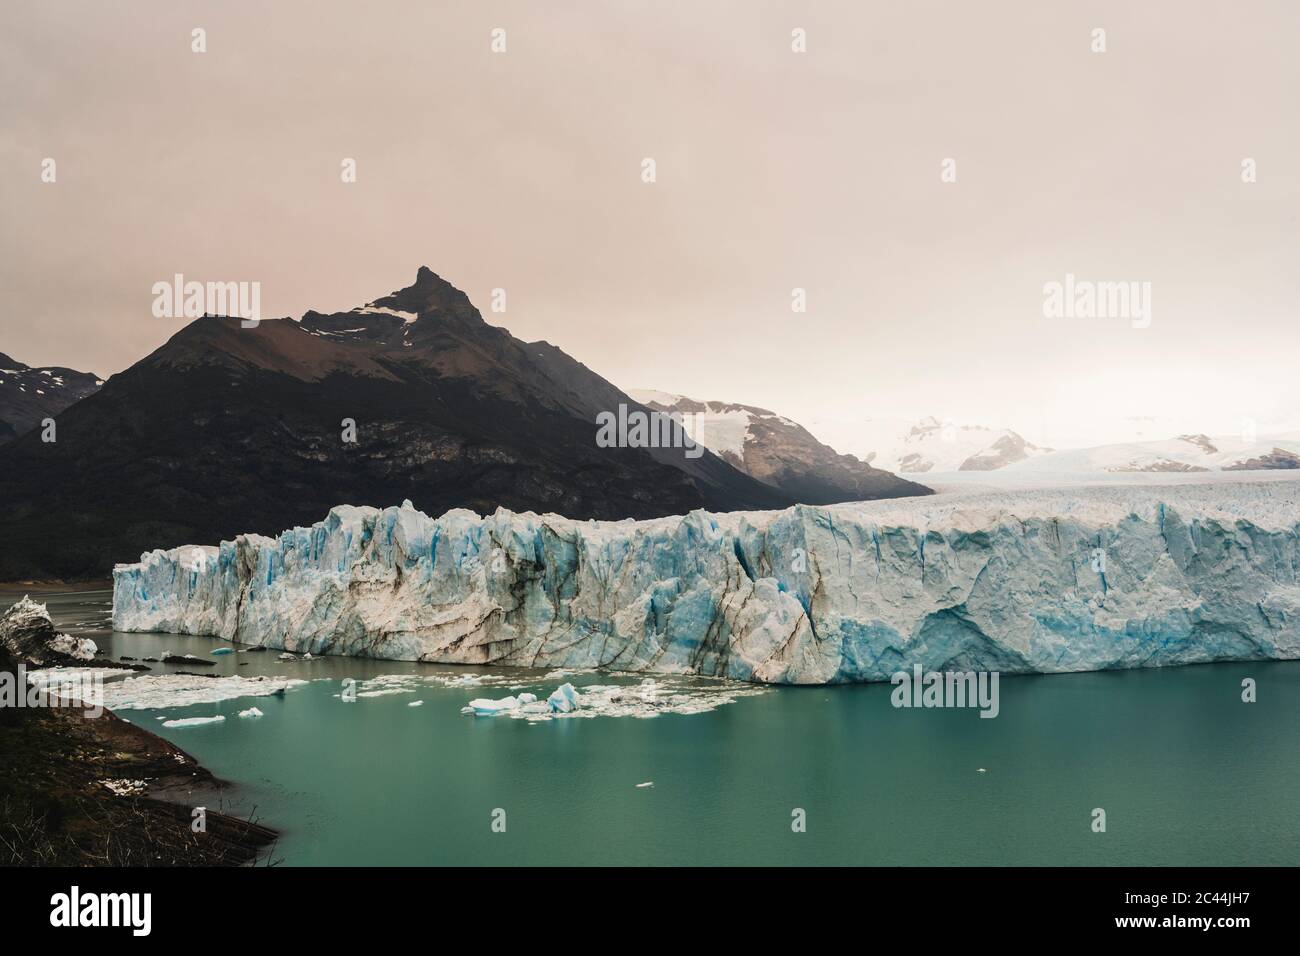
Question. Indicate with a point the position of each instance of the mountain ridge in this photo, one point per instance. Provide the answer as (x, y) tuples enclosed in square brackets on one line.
[(779, 451), (28, 395)]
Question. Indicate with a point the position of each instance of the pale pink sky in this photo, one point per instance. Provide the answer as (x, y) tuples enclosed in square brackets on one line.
[(775, 170)]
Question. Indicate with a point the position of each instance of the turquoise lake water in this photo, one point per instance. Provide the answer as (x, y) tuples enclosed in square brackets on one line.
[(1186, 772)]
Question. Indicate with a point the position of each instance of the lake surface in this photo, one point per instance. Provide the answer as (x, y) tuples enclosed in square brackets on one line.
[(1186, 772)]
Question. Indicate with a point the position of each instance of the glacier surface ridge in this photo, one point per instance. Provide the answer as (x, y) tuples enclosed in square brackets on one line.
[(1041, 581)]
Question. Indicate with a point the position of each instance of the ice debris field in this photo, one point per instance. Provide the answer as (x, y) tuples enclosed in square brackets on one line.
[(649, 698)]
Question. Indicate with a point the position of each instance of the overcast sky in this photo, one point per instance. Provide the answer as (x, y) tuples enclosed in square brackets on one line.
[(775, 170)]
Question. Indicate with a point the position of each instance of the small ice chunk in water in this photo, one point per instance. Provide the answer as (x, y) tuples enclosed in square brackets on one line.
[(527, 698), (485, 707), (193, 721), (416, 703), (648, 783), (222, 650), (251, 712)]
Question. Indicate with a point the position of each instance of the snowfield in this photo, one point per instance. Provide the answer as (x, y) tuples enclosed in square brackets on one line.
[(1019, 581), (925, 446), (1186, 453)]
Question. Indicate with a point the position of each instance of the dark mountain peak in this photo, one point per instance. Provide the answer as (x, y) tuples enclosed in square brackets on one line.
[(435, 290), (431, 295), (11, 363), (394, 319)]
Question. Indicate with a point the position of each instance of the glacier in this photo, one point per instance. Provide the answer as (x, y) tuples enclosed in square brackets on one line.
[(1023, 581)]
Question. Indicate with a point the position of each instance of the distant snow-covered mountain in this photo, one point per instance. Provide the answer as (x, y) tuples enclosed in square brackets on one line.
[(928, 445), (1184, 453), (778, 451), (28, 395)]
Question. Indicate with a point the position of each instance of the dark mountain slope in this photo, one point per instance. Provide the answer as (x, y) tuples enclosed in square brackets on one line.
[(30, 395), (226, 429)]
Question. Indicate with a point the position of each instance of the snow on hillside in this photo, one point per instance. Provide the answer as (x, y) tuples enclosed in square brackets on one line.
[(721, 427), (778, 451)]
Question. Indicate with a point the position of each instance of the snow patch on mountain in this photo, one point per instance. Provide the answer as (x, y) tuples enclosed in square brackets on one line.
[(778, 451), (721, 427)]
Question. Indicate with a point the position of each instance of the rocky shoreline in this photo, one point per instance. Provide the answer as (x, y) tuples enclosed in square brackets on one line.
[(80, 786)]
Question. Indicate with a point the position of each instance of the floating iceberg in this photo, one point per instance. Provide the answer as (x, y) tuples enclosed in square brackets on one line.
[(193, 721), (524, 705), (486, 707), (1019, 582), (564, 700)]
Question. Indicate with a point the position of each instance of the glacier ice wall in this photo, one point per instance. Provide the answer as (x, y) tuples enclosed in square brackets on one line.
[(1020, 582)]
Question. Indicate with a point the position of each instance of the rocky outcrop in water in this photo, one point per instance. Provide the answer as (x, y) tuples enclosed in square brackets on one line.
[(29, 637)]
